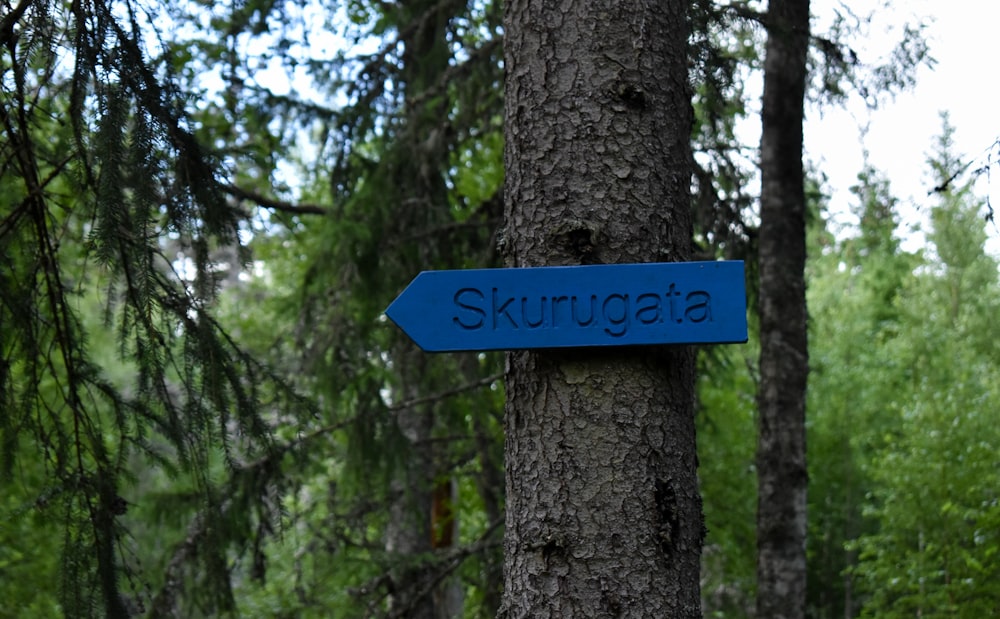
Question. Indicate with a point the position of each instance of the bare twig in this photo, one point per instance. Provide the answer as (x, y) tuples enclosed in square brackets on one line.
[(273, 203)]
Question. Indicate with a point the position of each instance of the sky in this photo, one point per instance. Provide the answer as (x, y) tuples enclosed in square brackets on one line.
[(964, 82), (900, 134)]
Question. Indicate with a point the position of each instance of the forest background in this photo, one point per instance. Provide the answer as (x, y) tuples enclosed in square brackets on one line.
[(205, 412)]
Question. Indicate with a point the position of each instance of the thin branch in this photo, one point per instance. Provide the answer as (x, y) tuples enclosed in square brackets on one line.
[(456, 71), (441, 395), (449, 563), (448, 228), (10, 221), (333, 427), (273, 203), (164, 601)]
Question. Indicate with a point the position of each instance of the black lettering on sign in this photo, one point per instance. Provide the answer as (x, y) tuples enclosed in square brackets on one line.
[(699, 308), (649, 310), (590, 317), (501, 310), (466, 300), (533, 324), (615, 317), (615, 313)]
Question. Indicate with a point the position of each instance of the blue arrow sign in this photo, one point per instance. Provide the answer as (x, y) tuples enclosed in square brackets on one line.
[(557, 307)]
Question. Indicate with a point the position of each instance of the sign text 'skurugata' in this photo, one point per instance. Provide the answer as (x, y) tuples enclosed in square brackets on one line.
[(556, 307), (615, 313)]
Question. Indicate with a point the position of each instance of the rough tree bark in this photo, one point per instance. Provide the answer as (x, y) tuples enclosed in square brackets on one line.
[(603, 512), (784, 360)]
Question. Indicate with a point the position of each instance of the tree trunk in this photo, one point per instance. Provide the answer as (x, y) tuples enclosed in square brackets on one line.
[(410, 533), (603, 511), (784, 360)]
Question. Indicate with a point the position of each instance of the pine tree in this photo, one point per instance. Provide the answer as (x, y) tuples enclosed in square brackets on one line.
[(412, 189), (933, 494), (855, 290), (603, 512), (99, 162)]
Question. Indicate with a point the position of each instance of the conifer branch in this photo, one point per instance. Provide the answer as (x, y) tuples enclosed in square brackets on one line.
[(7, 36), (743, 10)]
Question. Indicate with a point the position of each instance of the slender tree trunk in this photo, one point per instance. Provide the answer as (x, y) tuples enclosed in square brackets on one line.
[(410, 532), (490, 483), (784, 361), (603, 512)]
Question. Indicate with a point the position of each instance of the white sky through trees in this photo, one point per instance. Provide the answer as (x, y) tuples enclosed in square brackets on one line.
[(965, 82)]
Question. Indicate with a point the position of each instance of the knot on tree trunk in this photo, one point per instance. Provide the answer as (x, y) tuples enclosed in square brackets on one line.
[(577, 241)]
